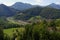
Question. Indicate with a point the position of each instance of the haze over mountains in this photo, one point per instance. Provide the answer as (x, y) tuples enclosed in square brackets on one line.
[(51, 11), (21, 6), (54, 6), (24, 6), (6, 11)]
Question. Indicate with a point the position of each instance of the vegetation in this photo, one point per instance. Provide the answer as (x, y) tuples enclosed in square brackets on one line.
[(45, 12), (43, 30), (36, 23)]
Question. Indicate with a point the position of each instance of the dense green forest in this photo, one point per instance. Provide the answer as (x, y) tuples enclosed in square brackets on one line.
[(44, 12), (42, 30)]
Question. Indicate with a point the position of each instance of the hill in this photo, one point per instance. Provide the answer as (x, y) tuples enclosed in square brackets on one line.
[(44, 12), (6, 11), (21, 6), (53, 5), (27, 14), (50, 13)]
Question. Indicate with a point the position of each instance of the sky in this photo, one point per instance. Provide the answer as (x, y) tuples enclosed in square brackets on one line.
[(33, 2)]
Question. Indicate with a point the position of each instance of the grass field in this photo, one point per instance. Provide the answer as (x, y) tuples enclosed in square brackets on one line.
[(10, 31)]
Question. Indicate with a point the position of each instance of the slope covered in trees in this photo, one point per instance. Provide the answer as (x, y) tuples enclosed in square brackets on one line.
[(27, 14), (50, 13), (44, 30), (46, 12)]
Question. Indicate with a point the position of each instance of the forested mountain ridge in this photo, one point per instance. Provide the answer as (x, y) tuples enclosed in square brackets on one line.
[(53, 5), (44, 12), (30, 11), (6, 11), (50, 13), (21, 6), (26, 14)]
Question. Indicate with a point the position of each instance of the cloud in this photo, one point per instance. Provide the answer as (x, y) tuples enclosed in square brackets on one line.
[(46, 2), (8, 3), (34, 2), (41, 2), (57, 2), (38, 1)]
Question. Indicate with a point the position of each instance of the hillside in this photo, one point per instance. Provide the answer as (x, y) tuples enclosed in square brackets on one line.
[(6, 11), (27, 14), (50, 13), (21, 6), (53, 5), (19, 22), (44, 12)]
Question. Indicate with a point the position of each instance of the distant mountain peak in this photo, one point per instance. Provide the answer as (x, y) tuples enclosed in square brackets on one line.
[(53, 5), (2, 5), (21, 6), (6, 11), (18, 3)]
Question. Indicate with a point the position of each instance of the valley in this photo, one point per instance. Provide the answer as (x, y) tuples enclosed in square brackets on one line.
[(10, 19), (24, 21)]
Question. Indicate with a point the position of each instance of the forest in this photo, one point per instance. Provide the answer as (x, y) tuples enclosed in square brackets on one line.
[(42, 30)]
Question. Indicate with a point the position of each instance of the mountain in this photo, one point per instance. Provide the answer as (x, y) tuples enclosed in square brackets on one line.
[(21, 6), (50, 13), (27, 14), (6, 11), (46, 13), (53, 5)]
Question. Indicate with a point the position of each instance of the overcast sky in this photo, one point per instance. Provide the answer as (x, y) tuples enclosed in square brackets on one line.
[(33, 2)]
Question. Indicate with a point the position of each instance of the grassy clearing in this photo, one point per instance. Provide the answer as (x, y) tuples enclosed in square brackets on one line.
[(10, 31)]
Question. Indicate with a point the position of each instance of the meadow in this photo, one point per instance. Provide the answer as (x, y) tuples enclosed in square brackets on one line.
[(10, 31)]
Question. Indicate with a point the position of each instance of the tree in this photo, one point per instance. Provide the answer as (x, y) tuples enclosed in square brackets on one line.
[(1, 34)]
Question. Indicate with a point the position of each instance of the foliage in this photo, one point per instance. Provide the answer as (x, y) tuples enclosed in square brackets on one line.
[(44, 30)]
